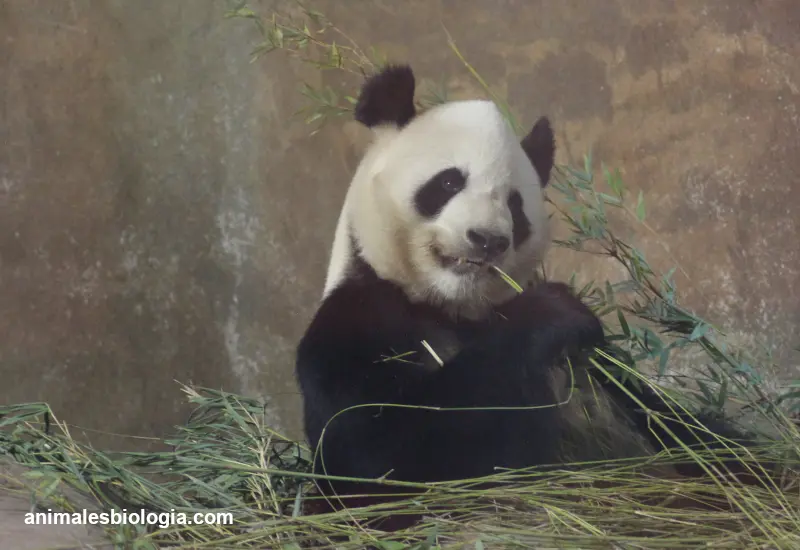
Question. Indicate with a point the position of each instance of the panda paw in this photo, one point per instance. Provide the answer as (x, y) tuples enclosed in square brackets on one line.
[(551, 312)]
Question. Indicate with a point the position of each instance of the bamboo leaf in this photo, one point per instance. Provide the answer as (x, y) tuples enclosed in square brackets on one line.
[(640, 211), (662, 362), (699, 331)]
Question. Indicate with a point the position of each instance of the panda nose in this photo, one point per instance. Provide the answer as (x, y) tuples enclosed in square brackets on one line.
[(491, 244)]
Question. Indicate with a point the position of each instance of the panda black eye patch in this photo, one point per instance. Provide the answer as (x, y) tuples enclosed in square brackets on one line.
[(521, 225), (432, 197)]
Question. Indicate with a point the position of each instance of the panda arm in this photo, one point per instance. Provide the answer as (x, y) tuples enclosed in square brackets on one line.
[(543, 325), (359, 327), (348, 343), (339, 366)]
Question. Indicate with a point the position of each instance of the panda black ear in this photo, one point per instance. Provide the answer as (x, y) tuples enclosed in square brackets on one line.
[(387, 98), (540, 146)]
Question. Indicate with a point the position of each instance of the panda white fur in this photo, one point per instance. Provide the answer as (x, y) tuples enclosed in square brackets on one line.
[(438, 198)]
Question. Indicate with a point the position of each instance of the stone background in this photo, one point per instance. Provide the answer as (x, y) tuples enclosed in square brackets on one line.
[(164, 218)]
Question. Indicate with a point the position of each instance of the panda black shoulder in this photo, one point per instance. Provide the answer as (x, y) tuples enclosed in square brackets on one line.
[(356, 305), (358, 299)]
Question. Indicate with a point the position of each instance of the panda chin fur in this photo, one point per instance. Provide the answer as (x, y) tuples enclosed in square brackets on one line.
[(428, 187)]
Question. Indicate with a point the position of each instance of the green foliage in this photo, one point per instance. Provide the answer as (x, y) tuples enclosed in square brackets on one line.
[(227, 459)]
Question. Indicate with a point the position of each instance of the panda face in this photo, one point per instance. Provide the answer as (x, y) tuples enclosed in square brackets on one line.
[(469, 245), (460, 196), (441, 197)]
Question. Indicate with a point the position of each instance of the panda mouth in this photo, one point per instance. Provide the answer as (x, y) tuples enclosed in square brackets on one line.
[(460, 264)]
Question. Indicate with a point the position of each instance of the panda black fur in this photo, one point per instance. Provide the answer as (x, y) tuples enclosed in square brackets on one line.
[(452, 182)]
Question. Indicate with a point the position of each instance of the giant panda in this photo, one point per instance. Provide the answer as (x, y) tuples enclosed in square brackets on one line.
[(422, 363)]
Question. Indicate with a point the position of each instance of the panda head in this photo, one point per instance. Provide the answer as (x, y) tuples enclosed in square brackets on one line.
[(442, 196)]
